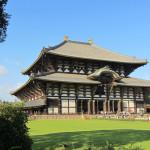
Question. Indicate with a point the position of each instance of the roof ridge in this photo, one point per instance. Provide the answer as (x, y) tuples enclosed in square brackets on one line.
[(30, 79), (64, 42), (56, 46), (79, 42)]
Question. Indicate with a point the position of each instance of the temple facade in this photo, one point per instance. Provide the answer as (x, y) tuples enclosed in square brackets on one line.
[(78, 77)]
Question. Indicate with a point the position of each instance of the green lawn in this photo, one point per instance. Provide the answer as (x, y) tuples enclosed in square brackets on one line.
[(47, 134)]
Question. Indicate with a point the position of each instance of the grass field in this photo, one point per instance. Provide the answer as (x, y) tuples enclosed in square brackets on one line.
[(48, 134)]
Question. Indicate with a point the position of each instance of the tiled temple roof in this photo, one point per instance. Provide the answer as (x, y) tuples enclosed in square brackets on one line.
[(129, 81), (90, 51), (67, 78), (78, 78), (82, 50), (83, 79)]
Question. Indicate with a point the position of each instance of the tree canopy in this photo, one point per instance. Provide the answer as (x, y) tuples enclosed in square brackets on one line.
[(13, 128), (4, 16)]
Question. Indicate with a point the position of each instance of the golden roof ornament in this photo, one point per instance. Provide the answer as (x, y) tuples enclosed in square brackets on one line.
[(66, 38), (90, 41)]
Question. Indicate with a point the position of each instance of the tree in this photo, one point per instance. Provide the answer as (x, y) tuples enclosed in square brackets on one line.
[(13, 129), (3, 20)]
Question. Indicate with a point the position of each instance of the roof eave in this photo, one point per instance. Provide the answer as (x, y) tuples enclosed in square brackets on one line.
[(50, 51), (142, 62), (43, 51), (133, 85), (21, 87), (67, 81)]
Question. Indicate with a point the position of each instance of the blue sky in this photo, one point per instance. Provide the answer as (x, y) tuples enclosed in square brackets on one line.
[(122, 26)]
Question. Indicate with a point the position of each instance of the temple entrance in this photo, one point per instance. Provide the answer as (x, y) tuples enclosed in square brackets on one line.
[(85, 109), (53, 106), (89, 106), (115, 106), (99, 106), (82, 106)]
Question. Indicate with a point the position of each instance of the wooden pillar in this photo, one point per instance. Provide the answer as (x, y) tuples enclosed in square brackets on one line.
[(121, 95), (81, 106), (93, 106), (108, 105), (77, 100), (135, 105), (89, 106), (76, 107), (59, 106), (105, 106), (45, 111), (97, 110), (59, 100), (113, 106), (119, 106), (107, 102)]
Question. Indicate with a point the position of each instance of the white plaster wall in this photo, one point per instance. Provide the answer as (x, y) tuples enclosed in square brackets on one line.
[(64, 103), (131, 104), (71, 103), (72, 110), (50, 110), (55, 110), (64, 110)]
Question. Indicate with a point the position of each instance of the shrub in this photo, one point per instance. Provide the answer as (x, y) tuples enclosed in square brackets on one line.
[(13, 129)]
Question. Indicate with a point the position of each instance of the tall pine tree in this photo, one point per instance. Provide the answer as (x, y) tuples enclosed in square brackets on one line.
[(3, 20)]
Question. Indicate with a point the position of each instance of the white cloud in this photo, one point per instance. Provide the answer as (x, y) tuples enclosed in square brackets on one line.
[(6, 90), (3, 70)]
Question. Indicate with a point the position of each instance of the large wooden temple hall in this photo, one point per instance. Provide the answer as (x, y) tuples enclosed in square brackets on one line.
[(79, 77)]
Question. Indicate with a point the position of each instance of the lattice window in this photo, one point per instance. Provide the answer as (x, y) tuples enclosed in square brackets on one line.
[(117, 91), (125, 92), (64, 90), (131, 93), (81, 91), (87, 91), (60, 66), (139, 93), (71, 90), (66, 66), (49, 90), (122, 71)]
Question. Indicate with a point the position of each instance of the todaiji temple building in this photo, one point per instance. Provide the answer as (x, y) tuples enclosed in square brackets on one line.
[(78, 77)]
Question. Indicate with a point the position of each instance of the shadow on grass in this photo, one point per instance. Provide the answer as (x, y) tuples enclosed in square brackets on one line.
[(98, 138)]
